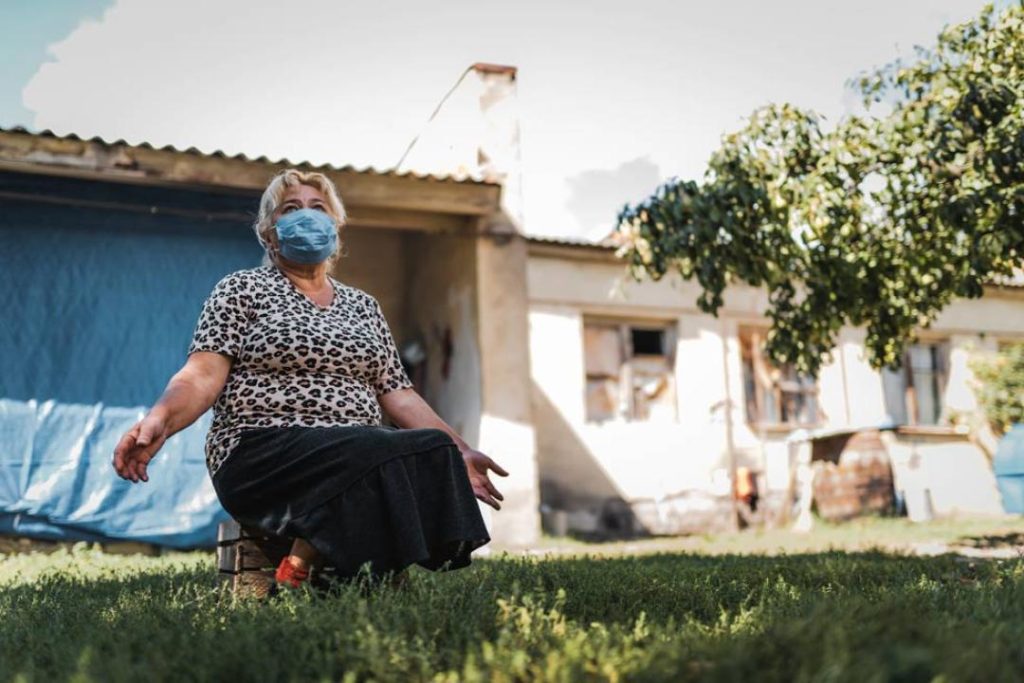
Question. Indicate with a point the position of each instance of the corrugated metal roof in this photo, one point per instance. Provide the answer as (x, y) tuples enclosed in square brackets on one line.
[(607, 243), (220, 154), (604, 244)]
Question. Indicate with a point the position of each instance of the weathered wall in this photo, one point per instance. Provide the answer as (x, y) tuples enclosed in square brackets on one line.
[(440, 303), (506, 426), (376, 263), (950, 470), (426, 285), (583, 463)]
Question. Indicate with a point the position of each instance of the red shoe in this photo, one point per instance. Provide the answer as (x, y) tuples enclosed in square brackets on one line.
[(288, 573)]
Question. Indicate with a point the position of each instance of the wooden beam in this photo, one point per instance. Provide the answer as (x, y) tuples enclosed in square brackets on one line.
[(359, 217), (143, 165), (423, 221)]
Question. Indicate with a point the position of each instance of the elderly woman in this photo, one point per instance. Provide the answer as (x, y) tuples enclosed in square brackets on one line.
[(297, 367)]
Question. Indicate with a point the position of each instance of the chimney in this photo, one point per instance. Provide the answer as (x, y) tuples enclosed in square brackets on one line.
[(474, 132)]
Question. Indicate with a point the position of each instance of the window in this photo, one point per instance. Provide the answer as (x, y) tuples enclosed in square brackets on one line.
[(775, 396), (913, 394), (629, 371)]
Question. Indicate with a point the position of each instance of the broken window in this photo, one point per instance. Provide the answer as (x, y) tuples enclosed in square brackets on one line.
[(629, 368), (913, 393), (774, 395)]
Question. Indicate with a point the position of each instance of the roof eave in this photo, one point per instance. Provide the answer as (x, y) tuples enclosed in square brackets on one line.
[(70, 156)]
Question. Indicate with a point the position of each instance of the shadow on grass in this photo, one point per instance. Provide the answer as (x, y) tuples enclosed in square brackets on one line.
[(1009, 540)]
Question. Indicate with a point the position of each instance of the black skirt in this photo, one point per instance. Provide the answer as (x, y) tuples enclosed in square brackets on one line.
[(390, 497)]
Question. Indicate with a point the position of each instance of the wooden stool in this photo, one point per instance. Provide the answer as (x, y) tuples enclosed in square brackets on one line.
[(247, 558)]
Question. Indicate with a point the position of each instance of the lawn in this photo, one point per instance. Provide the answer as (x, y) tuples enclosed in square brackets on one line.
[(740, 607)]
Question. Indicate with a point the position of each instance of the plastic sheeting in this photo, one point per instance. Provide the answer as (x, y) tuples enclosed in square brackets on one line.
[(56, 480), (1008, 465), (98, 307)]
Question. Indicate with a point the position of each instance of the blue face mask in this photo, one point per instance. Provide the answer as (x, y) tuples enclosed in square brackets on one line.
[(306, 236)]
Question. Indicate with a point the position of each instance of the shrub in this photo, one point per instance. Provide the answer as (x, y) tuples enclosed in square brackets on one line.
[(1001, 386)]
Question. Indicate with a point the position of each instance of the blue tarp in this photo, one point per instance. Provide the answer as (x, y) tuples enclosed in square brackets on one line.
[(56, 480), (98, 307), (1008, 466)]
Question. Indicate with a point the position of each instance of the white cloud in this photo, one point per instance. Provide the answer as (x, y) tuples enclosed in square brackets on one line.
[(601, 83)]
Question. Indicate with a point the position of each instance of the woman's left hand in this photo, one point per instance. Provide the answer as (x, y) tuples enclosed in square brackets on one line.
[(477, 465)]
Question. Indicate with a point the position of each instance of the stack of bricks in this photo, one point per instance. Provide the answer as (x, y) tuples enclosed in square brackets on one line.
[(248, 557)]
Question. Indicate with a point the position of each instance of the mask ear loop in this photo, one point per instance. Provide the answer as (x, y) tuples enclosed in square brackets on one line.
[(268, 248)]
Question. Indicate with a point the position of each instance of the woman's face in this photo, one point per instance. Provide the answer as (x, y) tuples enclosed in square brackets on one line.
[(297, 197)]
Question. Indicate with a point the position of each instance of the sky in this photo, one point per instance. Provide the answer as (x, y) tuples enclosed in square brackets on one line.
[(614, 97)]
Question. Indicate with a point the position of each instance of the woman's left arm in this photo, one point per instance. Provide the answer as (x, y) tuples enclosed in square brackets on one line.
[(408, 410)]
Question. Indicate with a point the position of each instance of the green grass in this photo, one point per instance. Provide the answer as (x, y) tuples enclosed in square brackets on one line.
[(829, 616)]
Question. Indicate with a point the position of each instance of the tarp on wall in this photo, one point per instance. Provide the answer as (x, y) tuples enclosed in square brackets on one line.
[(1008, 465), (98, 307), (56, 480)]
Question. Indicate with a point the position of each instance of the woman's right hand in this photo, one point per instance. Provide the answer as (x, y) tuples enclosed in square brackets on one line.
[(138, 446), (189, 394)]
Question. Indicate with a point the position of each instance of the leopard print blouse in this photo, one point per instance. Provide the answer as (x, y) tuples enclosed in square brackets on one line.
[(295, 363)]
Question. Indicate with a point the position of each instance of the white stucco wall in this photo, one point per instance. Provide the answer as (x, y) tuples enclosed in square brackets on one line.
[(506, 431), (583, 462), (952, 472), (863, 391), (580, 461)]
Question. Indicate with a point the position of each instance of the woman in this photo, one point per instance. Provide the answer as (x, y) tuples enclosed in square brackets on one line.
[(298, 367)]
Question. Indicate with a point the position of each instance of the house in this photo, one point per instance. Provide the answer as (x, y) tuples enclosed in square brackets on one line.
[(639, 398)]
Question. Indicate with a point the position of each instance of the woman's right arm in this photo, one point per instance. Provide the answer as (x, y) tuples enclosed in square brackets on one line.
[(188, 395)]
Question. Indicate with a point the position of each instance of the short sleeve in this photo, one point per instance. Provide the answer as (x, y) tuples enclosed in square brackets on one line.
[(224, 318), (392, 375)]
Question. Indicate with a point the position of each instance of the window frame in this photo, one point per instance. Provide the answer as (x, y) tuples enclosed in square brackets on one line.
[(747, 335), (911, 404), (627, 368)]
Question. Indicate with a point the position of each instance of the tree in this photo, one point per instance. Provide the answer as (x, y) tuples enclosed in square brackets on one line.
[(878, 222)]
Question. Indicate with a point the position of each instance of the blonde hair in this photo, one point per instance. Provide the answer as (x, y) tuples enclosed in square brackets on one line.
[(275, 192)]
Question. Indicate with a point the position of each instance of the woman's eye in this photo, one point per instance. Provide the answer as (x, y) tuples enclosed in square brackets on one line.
[(289, 208)]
